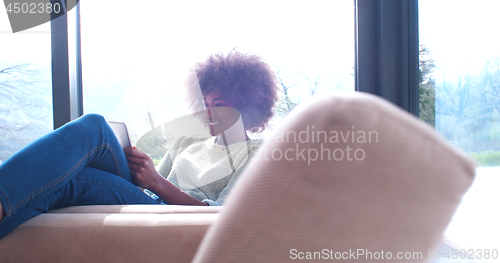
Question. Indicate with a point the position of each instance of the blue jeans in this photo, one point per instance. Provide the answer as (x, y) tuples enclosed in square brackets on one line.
[(81, 163)]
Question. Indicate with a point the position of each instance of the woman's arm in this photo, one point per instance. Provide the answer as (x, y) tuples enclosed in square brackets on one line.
[(145, 175)]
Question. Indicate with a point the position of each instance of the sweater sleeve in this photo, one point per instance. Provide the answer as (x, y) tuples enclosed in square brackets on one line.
[(252, 149), (164, 168), (165, 165), (225, 192)]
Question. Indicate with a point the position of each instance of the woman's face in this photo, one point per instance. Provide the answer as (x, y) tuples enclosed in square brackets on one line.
[(221, 112)]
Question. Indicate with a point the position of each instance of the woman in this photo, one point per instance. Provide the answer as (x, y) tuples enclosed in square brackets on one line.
[(81, 163)]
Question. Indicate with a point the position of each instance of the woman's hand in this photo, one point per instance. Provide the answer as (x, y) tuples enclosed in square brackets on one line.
[(142, 169), (145, 175)]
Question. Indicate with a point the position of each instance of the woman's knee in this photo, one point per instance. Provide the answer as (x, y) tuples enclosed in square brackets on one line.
[(91, 123), (93, 119)]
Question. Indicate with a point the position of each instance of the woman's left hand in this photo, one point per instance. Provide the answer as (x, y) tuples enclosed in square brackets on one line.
[(142, 169)]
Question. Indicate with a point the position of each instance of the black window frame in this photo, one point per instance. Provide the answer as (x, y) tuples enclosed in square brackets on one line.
[(387, 51), (67, 90)]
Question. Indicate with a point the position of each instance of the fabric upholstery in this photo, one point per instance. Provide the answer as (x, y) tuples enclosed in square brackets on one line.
[(135, 233), (398, 198)]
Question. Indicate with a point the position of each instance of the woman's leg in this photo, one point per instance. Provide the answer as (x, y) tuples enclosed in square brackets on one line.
[(45, 165), (89, 187)]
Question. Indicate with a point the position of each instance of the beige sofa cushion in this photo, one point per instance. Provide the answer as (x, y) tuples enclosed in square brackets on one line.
[(398, 197), (133, 233)]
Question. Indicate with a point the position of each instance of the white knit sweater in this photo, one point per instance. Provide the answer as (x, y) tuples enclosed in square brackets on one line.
[(204, 169)]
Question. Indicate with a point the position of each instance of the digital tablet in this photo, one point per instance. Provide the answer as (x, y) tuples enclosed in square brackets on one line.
[(121, 133)]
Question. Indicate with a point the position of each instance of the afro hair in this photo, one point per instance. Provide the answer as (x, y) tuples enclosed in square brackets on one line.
[(244, 79)]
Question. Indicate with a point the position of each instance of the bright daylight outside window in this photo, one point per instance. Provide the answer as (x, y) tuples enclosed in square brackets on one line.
[(25, 85), (460, 96), (135, 63)]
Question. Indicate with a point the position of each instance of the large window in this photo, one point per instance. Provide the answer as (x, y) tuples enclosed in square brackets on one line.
[(460, 96), (135, 63), (25, 85)]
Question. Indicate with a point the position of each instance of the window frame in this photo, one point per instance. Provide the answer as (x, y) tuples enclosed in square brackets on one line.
[(67, 90), (386, 56), (387, 51)]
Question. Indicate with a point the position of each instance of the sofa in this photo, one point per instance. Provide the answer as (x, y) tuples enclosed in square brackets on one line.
[(393, 195)]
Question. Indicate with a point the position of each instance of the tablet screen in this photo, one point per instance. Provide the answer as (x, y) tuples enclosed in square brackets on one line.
[(121, 133)]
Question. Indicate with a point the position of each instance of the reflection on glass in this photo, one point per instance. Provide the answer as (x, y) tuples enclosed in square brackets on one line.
[(460, 87), (25, 86)]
